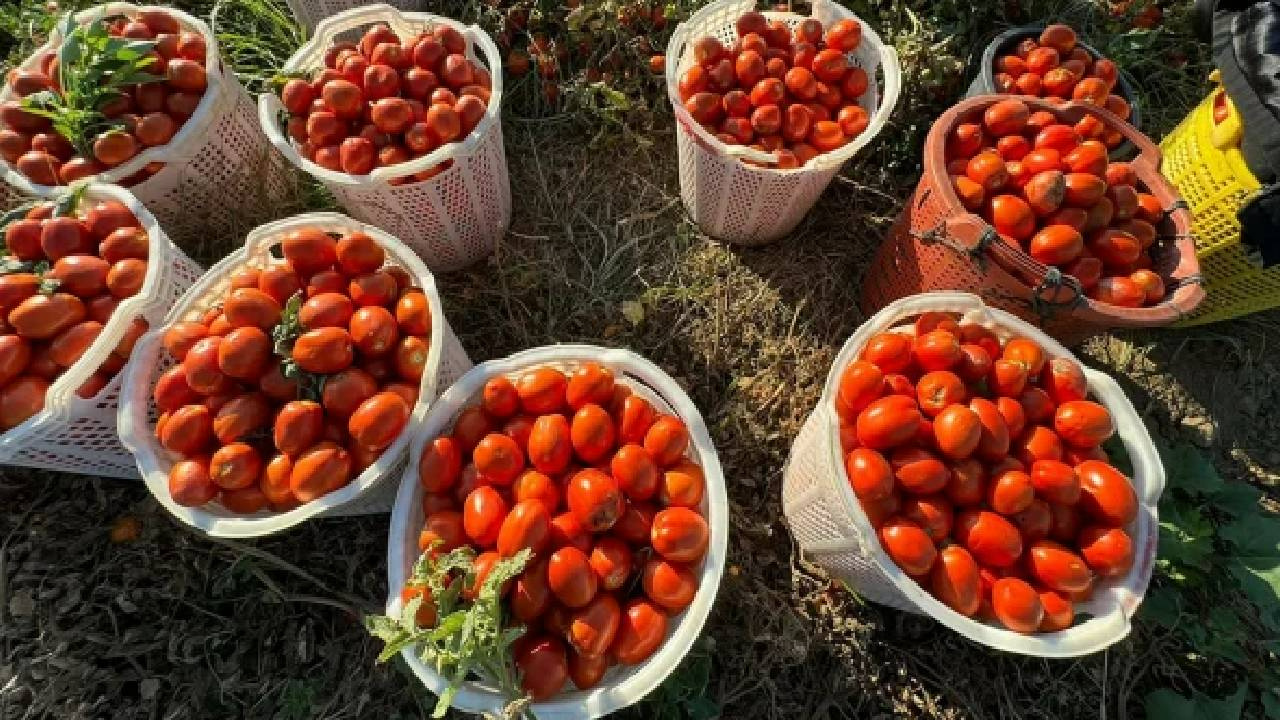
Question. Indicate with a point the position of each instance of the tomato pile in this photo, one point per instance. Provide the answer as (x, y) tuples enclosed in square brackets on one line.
[(1055, 67), (121, 118), (596, 482), (60, 281), (383, 101), (793, 94), (979, 464), (1058, 197), (276, 400)]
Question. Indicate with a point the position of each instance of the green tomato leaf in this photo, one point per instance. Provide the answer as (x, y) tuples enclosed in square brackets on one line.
[(1166, 704), (1189, 470), (1239, 499), (1162, 607), (1271, 704), (1186, 536), (1255, 562)]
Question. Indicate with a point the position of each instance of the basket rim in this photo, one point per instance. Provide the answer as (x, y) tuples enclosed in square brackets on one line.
[(1178, 304), (154, 461), (191, 132), (304, 58), (1148, 469), (651, 382), (887, 62), (61, 401)]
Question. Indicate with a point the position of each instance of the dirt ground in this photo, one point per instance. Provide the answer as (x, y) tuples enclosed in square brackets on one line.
[(175, 625)]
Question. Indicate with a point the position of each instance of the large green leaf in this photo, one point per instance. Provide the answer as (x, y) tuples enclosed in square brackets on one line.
[(1188, 469), (1166, 704), (1237, 498), (1255, 561), (1186, 538)]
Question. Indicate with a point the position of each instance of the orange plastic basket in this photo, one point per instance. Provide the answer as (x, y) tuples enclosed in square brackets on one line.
[(936, 244)]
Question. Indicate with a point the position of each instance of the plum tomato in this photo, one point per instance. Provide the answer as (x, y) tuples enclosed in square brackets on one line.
[(595, 499), (1016, 605), (954, 580), (908, 545)]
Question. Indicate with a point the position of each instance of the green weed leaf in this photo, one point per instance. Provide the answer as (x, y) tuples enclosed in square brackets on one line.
[(1255, 562), (1190, 470), (1166, 704), (1186, 538), (468, 638)]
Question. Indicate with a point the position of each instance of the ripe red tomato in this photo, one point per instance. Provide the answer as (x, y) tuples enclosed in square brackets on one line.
[(1108, 551), (1016, 605), (543, 666), (888, 422), (992, 539), (592, 433), (528, 525), (869, 473), (1107, 495), (957, 431), (483, 513), (1083, 423), (595, 499), (908, 545), (570, 577), (954, 580), (1057, 567), (636, 472), (592, 629), (860, 384), (642, 628), (498, 458)]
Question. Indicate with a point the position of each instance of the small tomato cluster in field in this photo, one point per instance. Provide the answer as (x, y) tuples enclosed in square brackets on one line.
[(383, 101), (298, 380), (144, 115), (597, 483), (1056, 68), (980, 465), (1057, 196), (792, 93), (60, 282)]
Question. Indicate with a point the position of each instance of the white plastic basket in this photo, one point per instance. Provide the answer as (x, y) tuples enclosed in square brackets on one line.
[(220, 174), (76, 435), (453, 219), (749, 205), (623, 685), (311, 12), (834, 533), (370, 492)]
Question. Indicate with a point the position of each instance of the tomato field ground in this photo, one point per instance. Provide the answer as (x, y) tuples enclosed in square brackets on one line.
[(110, 609)]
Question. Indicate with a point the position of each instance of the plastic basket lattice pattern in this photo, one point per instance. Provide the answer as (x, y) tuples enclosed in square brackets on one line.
[(751, 205), (1216, 184), (220, 176), (374, 489), (453, 219), (834, 533), (622, 685), (79, 435)]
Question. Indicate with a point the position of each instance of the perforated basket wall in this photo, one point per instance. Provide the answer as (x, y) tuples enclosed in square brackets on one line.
[(1216, 183), (936, 244), (374, 489), (751, 205), (311, 12), (78, 435), (453, 219), (834, 533), (622, 685), (221, 176)]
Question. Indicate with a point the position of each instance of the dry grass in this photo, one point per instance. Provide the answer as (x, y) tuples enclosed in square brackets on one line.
[(173, 625)]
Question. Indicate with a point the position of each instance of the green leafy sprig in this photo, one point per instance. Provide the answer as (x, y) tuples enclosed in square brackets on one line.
[(94, 68), (468, 637), (284, 335)]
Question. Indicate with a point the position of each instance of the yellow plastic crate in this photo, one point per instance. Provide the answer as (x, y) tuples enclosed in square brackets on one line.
[(1216, 183)]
